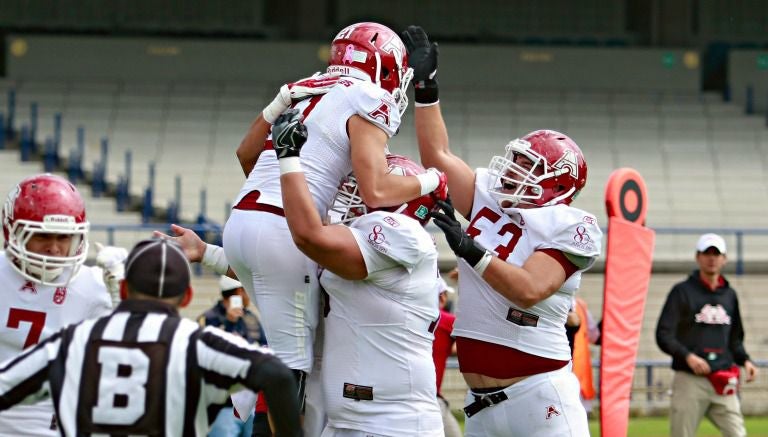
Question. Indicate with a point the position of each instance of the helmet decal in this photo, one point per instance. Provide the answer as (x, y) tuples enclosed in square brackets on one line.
[(568, 160)]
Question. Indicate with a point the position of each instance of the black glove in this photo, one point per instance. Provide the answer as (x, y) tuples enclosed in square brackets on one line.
[(462, 244), (288, 134), (422, 57)]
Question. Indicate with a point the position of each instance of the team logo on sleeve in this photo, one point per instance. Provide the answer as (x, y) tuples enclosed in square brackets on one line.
[(377, 239), (581, 239), (381, 113)]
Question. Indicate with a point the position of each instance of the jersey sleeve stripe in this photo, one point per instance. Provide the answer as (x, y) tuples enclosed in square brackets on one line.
[(180, 405), (25, 377), (73, 369), (221, 362)]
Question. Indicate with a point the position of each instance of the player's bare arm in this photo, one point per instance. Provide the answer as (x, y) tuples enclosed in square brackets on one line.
[(432, 136), (431, 132), (368, 150), (539, 277), (288, 94), (197, 250), (333, 246), (253, 144)]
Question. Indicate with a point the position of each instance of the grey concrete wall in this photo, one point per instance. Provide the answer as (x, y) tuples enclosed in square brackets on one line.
[(78, 58), (749, 68), (464, 66), (569, 68)]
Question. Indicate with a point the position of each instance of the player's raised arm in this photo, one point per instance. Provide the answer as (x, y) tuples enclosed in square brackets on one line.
[(332, 246), (431, 131), (255, 139)]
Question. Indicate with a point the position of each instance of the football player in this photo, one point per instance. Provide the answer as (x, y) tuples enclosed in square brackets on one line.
[(520, 263), (380, 274), (45, 284), (350, 113)]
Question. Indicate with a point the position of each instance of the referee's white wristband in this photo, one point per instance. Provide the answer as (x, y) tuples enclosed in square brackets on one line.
[(291, 164), (429, 182), (483, 264), (215, 258)]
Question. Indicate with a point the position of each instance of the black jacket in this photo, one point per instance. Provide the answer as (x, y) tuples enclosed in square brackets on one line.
[(703, 321)]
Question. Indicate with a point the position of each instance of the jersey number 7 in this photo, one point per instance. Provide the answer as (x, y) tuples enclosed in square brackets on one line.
[(35, 318)]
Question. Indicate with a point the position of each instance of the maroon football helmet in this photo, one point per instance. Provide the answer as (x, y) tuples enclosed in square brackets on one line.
[(45, 204), (543, 168), (372, 52), (349, 205)]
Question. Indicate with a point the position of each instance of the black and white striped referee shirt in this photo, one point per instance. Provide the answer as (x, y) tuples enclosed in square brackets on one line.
[(143, 370)]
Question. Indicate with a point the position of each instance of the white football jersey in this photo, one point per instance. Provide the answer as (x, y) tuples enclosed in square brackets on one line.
[(31, 312), (325, 157), (379, 332), (484, 314)]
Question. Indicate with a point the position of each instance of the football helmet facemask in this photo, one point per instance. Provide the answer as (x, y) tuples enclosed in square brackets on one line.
[(373, 52), (45, 204), (348, 204), (543, 168)]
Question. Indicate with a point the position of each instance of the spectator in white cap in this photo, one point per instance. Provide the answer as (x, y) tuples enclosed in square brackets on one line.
[(231, 312), (443, 346), (700, 327)]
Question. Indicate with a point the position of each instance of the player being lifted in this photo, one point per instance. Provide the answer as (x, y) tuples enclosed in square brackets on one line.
[(521, 260)]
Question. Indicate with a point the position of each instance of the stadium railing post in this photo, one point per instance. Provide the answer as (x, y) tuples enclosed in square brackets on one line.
[(11, 114), (26, 147), (33, 122)]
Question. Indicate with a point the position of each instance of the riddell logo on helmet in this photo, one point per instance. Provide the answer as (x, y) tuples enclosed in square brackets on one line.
[(58, 218)]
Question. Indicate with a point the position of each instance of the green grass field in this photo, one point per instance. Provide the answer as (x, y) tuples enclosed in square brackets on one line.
[(659, 427)]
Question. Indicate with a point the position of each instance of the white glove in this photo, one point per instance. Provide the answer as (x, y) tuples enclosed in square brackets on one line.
[(111, 259), (291, 93)]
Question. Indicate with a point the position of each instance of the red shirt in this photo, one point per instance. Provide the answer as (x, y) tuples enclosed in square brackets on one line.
[(441, 347)]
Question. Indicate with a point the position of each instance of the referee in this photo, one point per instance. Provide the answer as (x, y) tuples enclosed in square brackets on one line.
[(143, 370)]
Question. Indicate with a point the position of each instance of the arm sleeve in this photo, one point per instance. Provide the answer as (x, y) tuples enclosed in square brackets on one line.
[(24, 379), (736, 341), (666, 329)]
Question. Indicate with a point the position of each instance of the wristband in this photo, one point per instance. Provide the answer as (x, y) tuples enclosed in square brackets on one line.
[(215, 258), (290, 164), (429, 182), (422, 105), (483, 264), (426, 92)]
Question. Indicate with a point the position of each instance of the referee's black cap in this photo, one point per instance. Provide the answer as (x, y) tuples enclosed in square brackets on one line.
[(157, 267)]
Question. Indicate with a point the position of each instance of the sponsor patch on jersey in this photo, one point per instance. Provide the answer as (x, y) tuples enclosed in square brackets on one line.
[(358, 392), (421, 212), (588, 219), (391, 221), (377, 239), (519, 317)]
